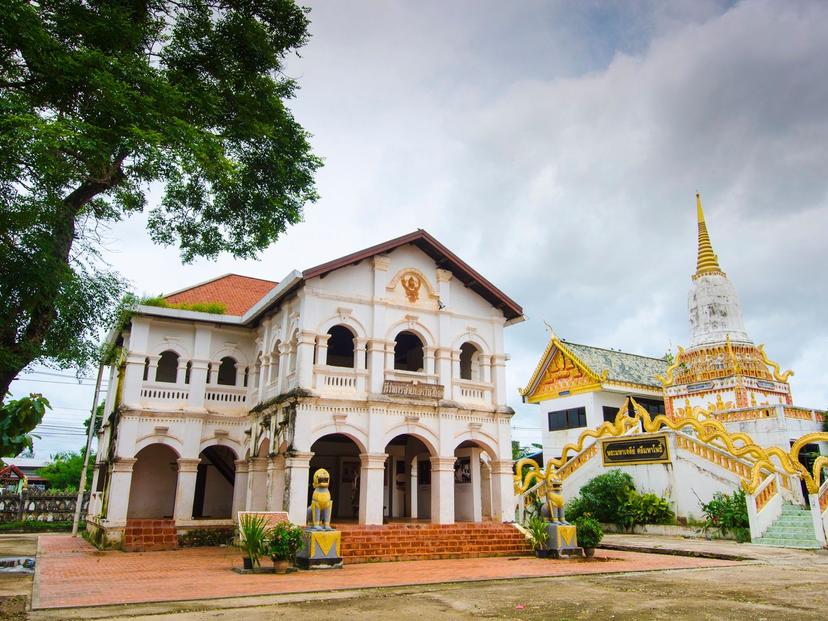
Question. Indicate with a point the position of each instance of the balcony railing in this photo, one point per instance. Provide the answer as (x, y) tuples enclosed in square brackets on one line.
[(470, 391), (339, 380), (161, 391), (225, 396)]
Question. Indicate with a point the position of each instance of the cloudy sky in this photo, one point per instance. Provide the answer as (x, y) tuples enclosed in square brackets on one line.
[(557, 148)]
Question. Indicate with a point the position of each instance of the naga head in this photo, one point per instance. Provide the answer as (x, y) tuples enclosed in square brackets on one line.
[(321, 478)]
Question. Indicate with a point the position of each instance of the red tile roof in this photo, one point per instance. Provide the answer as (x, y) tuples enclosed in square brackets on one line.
[(237, 293)]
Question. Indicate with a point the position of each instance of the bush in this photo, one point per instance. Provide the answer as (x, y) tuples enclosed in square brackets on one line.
[(253, 537), (285, 540), (537, 527), (612, 498), (602, 497), (728, 513), (36, 526), (203, 537), (589, 532)]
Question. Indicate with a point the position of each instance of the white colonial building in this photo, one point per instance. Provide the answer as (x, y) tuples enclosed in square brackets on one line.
[(386, 367)]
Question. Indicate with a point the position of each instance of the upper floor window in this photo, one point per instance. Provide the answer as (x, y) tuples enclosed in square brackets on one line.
[(469, 362), (408, 352), (227, 372), (167, 367), (572, 418), (275, 360), (341, 347)]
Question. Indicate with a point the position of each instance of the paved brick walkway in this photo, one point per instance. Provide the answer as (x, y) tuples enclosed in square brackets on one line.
[(70, 573)]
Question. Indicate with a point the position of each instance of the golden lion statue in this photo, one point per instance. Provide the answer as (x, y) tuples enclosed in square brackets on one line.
[(554, 507), (321, 506)]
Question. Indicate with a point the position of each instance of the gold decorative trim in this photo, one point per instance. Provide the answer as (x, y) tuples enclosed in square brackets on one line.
[(667, 379), (779, 377)]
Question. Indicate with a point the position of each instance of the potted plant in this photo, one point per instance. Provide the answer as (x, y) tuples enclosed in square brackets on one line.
[(285, 540), (537, 527), (589, 534), (252, 539)]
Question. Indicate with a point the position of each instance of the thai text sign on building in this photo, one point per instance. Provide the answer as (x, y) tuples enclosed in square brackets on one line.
[(412, 390), (651, 449)]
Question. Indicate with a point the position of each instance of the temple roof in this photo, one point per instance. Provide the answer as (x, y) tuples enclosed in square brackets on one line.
[(620, 366), (237, 293)]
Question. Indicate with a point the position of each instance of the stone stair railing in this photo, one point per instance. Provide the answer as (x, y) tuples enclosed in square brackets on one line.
[(819, 512), (764, 506)]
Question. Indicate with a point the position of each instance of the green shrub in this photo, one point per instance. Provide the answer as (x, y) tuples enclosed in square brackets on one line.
[(536, 526), (612, 498), (253, 537), (36, 526), (602, 497), (203, 537), (285, 540), (728, 513), (589, 531)]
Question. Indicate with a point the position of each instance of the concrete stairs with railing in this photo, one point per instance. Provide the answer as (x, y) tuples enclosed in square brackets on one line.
[(412, 542), (794, 528)]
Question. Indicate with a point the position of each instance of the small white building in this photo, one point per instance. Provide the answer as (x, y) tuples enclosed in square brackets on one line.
[(386, 367)]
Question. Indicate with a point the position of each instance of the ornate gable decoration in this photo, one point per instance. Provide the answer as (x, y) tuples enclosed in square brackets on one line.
[(410, 286), (560, 373)]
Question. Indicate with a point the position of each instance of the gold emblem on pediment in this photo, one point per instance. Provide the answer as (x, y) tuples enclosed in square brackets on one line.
[(411, 285)]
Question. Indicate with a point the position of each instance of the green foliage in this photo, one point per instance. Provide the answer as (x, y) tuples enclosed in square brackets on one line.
[(36, 526), (215, 308), (536, 526), (18, 417), (202, 537), (645, 509), (612, 498), (101, 100), (64, 471), (728, 513), (284, 540), (602, 497), (589, 531), (253, 537)]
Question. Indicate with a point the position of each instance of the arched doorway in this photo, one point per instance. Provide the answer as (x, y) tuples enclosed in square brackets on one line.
[(407, 480), (215, 482), (154, 479), (472, 482), (339, 455)]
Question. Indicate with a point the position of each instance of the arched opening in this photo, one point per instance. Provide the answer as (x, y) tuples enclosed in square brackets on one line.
[(408, 352), (167, 369), (227, 372), (154, 478), (341, 347), (469, 362), (471, 466), (214, 483), (339, 455), (407, 490)]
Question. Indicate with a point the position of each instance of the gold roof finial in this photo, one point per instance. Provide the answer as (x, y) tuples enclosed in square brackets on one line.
[(707, 262)]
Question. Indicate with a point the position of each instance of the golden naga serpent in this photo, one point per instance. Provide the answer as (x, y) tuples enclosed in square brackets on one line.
[(708, 431)]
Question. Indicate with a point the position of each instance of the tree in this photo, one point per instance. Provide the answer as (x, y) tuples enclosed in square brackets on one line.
[(17, 419), (101, 98), (64, 471)]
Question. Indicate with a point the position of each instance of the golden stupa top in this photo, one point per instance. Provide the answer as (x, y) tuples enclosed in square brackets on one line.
[(707, 262)]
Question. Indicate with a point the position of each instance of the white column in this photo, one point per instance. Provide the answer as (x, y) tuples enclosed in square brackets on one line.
[(276, 483), (412, 488), (240, 487), (198, 383), (297, 469), (816, 517), (322, 349), (503, 491), (376, 365), (185, 488), (119, 485), (444, 368), (442, 490), (371, 473), (257, 484), (477, 504), (359, 353), (428, 354), (499, 369), (181, 371), (486, 364), (455, 365), (486, 490), (304, 358)]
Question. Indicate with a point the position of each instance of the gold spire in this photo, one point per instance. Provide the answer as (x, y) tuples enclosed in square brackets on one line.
[(707, 262)]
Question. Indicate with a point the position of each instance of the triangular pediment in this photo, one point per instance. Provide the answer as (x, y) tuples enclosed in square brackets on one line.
[(560, 373)]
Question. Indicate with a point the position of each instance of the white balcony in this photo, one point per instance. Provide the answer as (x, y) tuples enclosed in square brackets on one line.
[(339, 380), (170, 395), (467, 391), (225, 398)]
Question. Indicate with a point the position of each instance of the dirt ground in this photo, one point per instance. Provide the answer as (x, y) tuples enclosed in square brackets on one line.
[(753, 590)]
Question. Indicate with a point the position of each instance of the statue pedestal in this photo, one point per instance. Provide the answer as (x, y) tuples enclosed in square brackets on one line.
[(320, 549), (563, 541)]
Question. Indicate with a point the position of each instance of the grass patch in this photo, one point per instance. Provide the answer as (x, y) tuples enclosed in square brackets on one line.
[(35, 526), (214, 308)]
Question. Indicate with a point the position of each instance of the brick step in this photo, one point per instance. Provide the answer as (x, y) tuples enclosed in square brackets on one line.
[(149, 535), (397, 542)]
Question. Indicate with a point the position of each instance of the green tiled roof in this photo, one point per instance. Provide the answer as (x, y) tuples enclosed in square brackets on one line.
[(620, 366)]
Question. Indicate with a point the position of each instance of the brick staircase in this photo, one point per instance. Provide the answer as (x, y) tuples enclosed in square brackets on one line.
[(148, 535), (414, 542), (794, 528)]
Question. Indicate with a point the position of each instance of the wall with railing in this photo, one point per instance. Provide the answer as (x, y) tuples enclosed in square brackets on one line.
[(40, 506)]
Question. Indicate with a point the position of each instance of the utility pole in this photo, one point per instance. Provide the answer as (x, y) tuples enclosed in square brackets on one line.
[(82, 484)]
